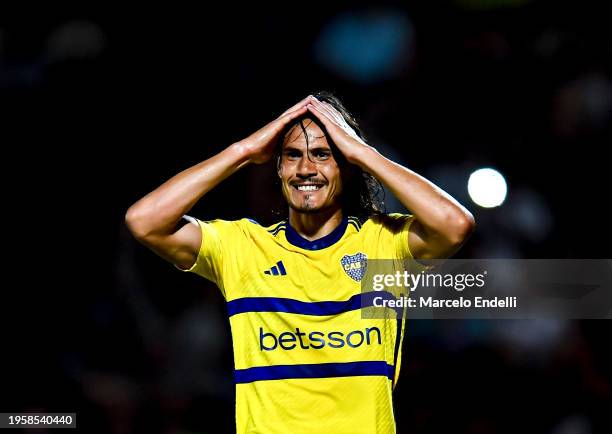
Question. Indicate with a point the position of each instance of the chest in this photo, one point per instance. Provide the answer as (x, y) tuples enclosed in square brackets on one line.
[(273, 270)]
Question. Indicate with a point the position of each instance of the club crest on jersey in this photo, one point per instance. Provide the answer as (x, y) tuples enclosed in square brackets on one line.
[(355, 265)]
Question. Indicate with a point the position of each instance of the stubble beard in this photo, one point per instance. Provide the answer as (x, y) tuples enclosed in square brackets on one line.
[(306, 207)]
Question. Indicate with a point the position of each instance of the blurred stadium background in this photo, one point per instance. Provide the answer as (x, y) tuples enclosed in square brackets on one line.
[(107, 104)]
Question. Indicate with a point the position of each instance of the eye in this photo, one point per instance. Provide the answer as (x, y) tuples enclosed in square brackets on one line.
[(321, 154), (293, 154)]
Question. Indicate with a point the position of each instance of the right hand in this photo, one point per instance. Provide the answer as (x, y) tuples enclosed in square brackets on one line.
[(259, 146)]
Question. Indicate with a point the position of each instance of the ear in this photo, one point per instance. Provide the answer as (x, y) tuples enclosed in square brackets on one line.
[(278, 166)]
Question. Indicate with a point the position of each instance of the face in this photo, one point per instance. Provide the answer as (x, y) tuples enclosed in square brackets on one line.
[(310, 175)]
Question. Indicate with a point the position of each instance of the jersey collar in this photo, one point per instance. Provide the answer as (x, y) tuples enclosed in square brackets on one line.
[(334, 236)]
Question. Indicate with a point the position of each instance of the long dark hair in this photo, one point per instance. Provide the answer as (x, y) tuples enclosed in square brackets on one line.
[(363, 195)]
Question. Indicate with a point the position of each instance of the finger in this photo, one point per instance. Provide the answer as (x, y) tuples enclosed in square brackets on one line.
[(302, 103), (318, 105), (334, 113), (325, 112), (293, 113), (289, 116), (326, 108), (336, 118), (323, 117)]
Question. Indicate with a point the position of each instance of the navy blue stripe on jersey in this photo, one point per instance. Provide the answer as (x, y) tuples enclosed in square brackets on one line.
[(352, 223), (277, 231), (334, 236), (398, 335), (281, 226), (316, 370), (318, 308)]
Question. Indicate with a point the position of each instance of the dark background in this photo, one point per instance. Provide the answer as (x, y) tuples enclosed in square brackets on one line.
[(102, 106)]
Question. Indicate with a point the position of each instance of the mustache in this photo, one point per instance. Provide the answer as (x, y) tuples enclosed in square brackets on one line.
[(308, 181)]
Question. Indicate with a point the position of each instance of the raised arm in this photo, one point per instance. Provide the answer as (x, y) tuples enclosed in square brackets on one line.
[(154, 219), (442, 224)]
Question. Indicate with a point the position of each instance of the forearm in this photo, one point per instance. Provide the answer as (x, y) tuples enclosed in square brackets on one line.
[(435, 209), (159, 211)]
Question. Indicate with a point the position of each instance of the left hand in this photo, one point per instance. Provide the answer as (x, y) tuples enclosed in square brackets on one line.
[(345, 137)]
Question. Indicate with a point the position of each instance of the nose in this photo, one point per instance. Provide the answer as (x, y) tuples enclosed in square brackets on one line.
[(306, 168)]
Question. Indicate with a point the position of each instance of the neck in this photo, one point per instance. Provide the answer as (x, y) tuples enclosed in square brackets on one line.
[(316, 225)]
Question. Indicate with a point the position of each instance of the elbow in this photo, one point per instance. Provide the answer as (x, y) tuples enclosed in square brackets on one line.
[(135, 220), (462, 227)]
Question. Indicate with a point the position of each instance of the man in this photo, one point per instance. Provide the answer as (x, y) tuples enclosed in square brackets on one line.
[(305, 359)]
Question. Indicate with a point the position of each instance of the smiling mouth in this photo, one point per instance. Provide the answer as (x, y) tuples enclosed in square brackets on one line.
[(307, 187)]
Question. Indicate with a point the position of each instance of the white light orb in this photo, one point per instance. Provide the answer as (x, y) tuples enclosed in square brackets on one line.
[(487, 188)]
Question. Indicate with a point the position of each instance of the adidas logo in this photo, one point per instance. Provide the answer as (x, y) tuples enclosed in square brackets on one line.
[(277, 270)]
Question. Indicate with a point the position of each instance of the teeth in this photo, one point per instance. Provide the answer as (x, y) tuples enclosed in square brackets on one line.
[(307, 187)]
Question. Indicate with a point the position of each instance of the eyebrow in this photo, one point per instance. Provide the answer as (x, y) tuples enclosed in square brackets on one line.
[(311, 148)]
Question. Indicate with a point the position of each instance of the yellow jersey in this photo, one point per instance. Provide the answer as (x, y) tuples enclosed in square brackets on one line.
[(305, 359)]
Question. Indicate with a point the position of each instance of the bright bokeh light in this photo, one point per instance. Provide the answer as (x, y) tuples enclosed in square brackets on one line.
[(487, 188), (366, 45)]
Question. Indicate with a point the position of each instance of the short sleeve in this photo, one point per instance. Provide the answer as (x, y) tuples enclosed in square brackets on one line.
[(394, 234), (213, 255)]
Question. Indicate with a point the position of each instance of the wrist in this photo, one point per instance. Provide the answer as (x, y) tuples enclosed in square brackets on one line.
[(241, 152), (362, 155)]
